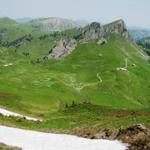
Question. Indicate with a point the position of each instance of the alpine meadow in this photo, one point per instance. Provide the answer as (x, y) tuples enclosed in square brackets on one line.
[(86, 79)]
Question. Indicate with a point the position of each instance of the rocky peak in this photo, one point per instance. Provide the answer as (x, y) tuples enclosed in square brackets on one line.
[(91, 32), (116, 27), (96, 31), (95, 25)]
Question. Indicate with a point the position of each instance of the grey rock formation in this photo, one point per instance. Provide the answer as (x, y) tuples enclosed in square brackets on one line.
[(95, 31), (91, 32), (116, 27), (63, 48)]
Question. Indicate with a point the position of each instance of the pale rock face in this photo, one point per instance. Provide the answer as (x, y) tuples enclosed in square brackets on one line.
[(91, 32), (63, 48), (95, 31), (117, 27)]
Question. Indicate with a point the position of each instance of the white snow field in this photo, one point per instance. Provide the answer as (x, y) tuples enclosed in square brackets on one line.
[(8, 113), (32, 140)]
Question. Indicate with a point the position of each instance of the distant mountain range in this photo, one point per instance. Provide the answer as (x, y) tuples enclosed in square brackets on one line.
[(139, 33), (145, 43), (23, 20)]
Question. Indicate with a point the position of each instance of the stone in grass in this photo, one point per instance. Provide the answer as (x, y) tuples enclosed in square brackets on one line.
[(102, 41)]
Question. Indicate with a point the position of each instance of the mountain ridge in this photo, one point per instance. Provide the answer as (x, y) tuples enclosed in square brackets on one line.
[(93, 31)]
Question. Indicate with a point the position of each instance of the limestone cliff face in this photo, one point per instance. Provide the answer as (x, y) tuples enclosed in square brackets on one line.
[(94, 31), (63, 48), (91, 32), (118, 27)]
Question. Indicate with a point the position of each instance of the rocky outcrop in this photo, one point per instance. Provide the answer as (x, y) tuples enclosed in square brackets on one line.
[(63, 48), (137, 136), (91, 32), (118, 27), (95, 31)]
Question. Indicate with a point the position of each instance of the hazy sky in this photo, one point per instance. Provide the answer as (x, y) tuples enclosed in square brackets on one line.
[(134, 12)]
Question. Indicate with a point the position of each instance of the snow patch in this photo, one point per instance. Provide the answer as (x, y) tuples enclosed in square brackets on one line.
[(8, 113), (32, 140)]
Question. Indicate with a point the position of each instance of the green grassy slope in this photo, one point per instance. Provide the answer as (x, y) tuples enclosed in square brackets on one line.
[(89, 74), (39, 46), (118, 89), (10, 30)]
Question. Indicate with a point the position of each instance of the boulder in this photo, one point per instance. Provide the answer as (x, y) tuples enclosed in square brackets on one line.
[(102, 41)]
